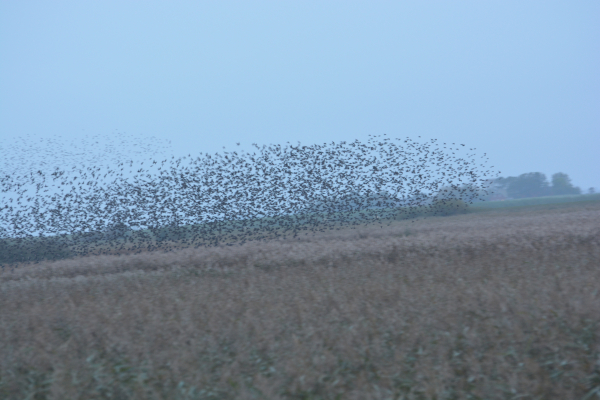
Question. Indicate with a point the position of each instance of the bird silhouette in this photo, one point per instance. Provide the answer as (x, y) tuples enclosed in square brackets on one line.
[(277, 191)]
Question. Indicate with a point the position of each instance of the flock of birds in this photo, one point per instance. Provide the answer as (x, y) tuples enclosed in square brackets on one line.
[(232, 197)]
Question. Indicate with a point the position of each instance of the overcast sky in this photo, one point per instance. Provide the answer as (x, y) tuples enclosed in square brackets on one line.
[(517, 80)]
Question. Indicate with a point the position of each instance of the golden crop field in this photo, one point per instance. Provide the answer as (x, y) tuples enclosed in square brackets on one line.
[(501, 304)]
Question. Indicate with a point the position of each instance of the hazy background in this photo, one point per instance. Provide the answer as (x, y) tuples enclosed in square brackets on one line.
[(88, 82)]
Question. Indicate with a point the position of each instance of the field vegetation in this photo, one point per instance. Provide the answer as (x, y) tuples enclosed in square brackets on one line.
[(534, 201), (497, 304), (33, 249), (230, 232)]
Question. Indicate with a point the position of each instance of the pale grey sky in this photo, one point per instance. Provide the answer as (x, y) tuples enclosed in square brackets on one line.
[(517, 80)]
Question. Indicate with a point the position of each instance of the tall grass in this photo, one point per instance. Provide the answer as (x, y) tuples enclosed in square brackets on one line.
[(495, 305)]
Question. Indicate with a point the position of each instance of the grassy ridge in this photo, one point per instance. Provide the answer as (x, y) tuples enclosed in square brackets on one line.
[(233, 232), (228, 232)]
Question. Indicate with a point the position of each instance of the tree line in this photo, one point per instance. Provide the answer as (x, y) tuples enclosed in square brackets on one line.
[(533, 184)]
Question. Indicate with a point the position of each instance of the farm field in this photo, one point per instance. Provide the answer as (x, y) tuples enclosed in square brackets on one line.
[(232, 232), (14, 251), (535, 201), (498, 304)]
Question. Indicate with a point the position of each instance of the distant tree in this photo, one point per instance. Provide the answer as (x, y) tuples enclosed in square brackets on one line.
[(591, 190), (447, 192), (498, 189), (561, 185), (447, 207), (115, 230), (466, 192), (532, 184), (505, 182), (356, 201)]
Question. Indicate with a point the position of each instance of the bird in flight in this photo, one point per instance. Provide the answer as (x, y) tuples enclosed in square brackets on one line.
[(230, 199)]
